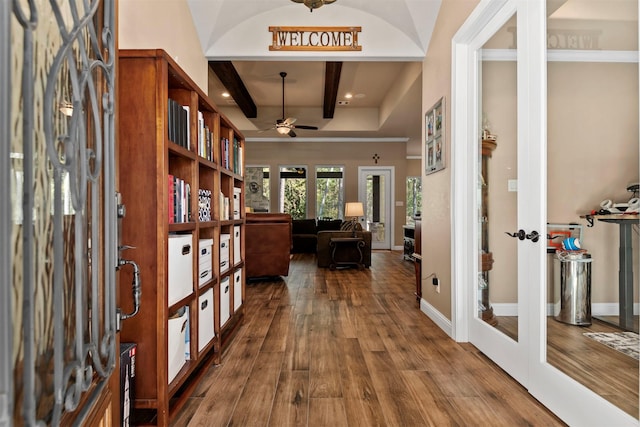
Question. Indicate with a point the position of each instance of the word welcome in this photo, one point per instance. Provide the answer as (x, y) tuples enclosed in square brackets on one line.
[(315, 38)]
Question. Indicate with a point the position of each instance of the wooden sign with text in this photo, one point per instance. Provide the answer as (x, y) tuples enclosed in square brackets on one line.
[(315, 38)]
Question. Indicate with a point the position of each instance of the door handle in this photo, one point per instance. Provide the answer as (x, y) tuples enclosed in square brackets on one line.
[(534, 236), (136, 289), (520, 234)]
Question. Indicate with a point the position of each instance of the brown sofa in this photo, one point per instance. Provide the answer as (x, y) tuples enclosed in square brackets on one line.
[(346, 253), (305, 233), (267, 244)]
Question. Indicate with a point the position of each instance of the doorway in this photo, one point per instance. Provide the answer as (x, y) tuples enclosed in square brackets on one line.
[(375, 191)]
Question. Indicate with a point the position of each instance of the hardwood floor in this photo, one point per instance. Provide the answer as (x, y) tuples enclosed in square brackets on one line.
[(607, 372), (351, 348)]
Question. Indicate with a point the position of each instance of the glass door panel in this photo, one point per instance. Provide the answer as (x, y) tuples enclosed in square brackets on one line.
[(498, 157), (375, 192), (592, 157)]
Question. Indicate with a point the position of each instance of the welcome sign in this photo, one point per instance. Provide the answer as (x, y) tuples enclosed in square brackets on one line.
[(315, 38)]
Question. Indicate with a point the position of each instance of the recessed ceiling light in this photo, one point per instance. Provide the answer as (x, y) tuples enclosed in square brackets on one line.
[(348, 95), (225, 94)]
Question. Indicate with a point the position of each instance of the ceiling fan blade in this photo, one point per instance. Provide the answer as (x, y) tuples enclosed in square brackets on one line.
[(291, 133), (290, 120), (306, 127)]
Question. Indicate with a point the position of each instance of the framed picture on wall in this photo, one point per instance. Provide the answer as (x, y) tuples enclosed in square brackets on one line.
[(434, 138)]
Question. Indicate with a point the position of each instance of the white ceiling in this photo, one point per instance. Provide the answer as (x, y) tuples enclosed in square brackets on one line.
[(385, 78)]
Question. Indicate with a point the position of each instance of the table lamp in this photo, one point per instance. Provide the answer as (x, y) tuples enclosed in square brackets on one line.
[(354, 210)]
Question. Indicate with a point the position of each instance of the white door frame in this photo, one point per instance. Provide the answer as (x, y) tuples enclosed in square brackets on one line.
[(567, 398), (389, 202)]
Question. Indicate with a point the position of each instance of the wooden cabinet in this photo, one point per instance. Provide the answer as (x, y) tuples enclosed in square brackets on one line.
[(180, 174)]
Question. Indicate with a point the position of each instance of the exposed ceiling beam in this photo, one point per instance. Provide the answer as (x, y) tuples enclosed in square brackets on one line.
[(231, 80), (331, 82)]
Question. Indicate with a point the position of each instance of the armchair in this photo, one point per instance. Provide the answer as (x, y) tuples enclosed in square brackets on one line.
[(267, 244)]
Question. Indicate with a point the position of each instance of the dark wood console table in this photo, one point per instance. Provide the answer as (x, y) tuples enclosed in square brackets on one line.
[(338, 242)]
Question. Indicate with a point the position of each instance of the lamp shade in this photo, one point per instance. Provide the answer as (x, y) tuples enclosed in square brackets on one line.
[(353, 209)]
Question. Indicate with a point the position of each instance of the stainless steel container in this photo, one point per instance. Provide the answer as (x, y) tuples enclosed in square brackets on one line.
[(572, 287)]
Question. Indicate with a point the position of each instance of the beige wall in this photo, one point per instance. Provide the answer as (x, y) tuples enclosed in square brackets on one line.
[(414, 167), (436, 188), (163, 24), (349, 155)]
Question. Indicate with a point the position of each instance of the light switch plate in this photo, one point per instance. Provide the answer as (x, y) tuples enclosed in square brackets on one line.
[(512, 185)]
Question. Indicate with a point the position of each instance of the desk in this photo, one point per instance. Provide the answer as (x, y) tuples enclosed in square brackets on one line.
[(625, 272), (341, 242)]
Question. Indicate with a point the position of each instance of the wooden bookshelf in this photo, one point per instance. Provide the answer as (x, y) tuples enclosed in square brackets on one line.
[(161, 150)]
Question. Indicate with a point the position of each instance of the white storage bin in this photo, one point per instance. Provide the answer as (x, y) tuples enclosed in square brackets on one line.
[(236, 245), (224, 251), (225, 292), (180, 254), (205, 266), (178, 328), (205, 319), (237, 289), (236, 202)]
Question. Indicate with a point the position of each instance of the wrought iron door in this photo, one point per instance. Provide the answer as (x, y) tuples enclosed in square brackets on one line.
[(58, 244)]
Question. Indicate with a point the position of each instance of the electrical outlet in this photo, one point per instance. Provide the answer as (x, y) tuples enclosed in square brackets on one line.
[(436, 282)]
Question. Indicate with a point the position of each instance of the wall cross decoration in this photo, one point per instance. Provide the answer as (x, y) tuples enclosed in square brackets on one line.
[(376, 158)]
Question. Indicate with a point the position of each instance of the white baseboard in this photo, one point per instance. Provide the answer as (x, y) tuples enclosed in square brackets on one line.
[(597, 309), (438, 318)]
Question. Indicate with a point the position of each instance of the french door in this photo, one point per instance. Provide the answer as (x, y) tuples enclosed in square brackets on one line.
[(500, 204), (375, 191)]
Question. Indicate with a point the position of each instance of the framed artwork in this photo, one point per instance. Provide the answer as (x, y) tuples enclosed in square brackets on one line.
[(434, 138)]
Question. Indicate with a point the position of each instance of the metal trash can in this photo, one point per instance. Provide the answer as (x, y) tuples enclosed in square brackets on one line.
[(572, 287)]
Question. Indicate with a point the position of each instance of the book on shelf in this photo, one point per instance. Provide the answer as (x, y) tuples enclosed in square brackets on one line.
[(204, 138), (178, 123), (171, 199), (204, 204), (179, 200), (224, 153), (187, 127)]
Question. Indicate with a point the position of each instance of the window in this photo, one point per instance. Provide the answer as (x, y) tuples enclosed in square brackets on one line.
[(257, 188), (414, 198), (329, 192), (293, 191)]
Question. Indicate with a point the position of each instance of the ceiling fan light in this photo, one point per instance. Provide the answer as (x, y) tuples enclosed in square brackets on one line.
[(314, 4), (283, 130)]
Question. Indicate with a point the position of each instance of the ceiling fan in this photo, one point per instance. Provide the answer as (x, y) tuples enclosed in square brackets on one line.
[(285, 126)]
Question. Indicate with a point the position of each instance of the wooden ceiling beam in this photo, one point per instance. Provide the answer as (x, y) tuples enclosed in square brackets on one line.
[(331, 82), (231, 80)]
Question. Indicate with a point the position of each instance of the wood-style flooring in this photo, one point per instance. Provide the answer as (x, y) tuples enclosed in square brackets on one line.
[(603, 370), (351, 348)]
